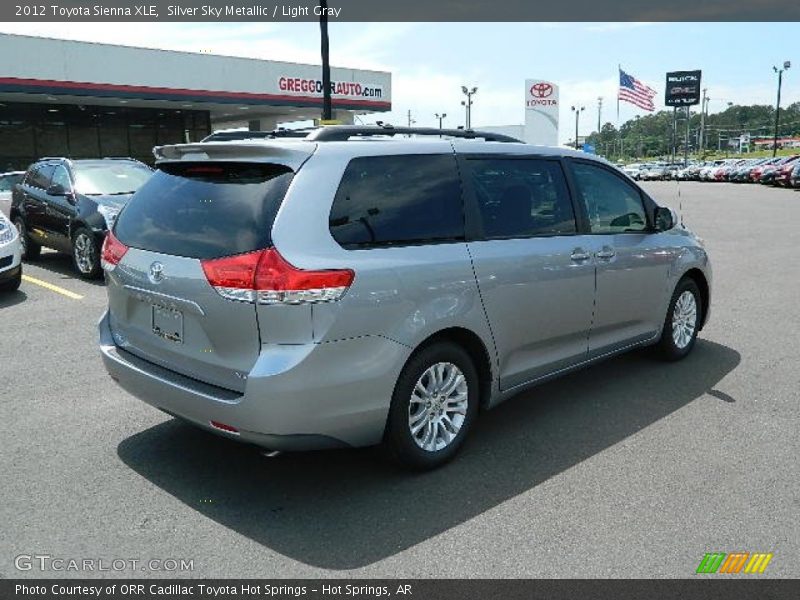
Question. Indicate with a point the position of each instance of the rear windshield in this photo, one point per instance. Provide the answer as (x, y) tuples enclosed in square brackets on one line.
[(111, 178), (205, 210)]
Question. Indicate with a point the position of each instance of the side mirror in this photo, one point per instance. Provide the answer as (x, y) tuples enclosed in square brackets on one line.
[(57, 190), (665, 218)]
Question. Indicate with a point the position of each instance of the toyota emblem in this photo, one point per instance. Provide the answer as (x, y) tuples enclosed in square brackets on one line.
[(156, 272), (541, 90)]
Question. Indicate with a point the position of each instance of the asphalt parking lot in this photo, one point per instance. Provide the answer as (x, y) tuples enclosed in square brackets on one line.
[(632, 468)]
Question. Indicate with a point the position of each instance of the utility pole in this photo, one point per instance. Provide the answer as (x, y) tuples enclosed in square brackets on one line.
[(410, 120), (327, 111), (786, 66)]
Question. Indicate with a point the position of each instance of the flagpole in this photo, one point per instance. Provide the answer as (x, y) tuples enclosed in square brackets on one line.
[(619, 133)]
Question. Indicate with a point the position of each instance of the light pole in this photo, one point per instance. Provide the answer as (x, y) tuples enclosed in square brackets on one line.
[(468, 103), (441, 118), (702, 134), (327, 112), (599, 113), (577, 111), (786, 65)]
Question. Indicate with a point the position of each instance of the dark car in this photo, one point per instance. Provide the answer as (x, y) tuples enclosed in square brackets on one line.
[(69, 205), (794, 180)]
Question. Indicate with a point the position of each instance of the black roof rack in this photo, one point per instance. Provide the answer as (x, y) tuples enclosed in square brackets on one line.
[(231, 136), (340, 133)]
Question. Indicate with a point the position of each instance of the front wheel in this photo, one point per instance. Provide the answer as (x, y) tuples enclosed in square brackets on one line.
[(12, 285), (433, 406), (682, 322), (86, 254)]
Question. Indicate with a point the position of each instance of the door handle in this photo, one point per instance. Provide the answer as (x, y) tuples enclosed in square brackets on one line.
[(606, 252), (579, 254)]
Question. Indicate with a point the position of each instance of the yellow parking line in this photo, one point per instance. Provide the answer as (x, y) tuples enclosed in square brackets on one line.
[(52, 288)]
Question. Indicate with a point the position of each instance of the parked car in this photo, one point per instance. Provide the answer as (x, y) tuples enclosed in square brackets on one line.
[(795, 178), (783, 173), (654, 173), (329, 292), (755, 174), (633, 170), (7, 182), (69, 205), (10, 256)]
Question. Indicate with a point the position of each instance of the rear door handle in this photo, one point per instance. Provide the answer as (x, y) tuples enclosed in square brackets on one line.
[(606, 252), (579, 255)]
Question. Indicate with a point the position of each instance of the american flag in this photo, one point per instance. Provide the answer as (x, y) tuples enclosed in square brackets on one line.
[(634, 91)]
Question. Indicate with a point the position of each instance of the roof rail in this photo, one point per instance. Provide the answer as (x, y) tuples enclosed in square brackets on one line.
[(230, 136), (340, 133)]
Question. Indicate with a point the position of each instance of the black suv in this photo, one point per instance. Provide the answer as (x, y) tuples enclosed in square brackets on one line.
[(69, 205)]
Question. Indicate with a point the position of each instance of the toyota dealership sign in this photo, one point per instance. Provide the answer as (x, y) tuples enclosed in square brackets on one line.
[(541, 112)]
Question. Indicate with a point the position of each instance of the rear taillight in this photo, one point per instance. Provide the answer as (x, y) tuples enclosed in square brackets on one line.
[(265, 277), (112, 253)]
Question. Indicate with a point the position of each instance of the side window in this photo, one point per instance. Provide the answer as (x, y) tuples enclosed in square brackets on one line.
[(398, 200), (521, 197), (5, 184), (60, 176), (41, 176), (612, 204)]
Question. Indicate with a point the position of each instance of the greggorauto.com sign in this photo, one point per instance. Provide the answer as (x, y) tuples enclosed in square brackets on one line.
[(347, 89)]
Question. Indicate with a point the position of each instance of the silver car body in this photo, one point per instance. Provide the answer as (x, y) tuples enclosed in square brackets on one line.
[(10, 250), (322, 375)]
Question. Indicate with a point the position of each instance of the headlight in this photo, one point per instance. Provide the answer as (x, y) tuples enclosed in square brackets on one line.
[(7, 231), (109, 214)]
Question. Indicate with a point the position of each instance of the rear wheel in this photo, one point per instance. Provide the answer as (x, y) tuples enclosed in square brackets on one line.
[(433, 406), (30, 249), (85, 254), (682, 322)]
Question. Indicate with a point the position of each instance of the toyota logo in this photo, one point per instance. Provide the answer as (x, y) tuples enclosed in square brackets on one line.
[(156, 272), (541, 90)]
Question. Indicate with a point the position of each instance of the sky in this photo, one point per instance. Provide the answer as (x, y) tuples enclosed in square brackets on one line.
[(430, 62)]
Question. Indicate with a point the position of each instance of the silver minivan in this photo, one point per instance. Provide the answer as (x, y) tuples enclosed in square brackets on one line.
[(360, 287)]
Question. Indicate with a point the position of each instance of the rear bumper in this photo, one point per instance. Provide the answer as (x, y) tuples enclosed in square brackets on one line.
[(297, 397)]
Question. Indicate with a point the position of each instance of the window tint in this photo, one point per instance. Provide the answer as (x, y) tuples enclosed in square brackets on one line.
[(522, 197), (205, 210), (61, 177), (40, 177), (612, 204), (396, 200)]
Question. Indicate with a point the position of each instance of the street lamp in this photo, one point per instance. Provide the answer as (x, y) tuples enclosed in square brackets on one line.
[(468, 103), (441, 118), (599, 112), (577, 111), (786, 65)]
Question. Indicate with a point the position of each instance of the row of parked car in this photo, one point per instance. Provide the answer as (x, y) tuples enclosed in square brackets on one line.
[(656, 171), (778, 171)]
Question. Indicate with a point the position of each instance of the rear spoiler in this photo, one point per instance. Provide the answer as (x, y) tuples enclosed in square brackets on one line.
[(292, 156)]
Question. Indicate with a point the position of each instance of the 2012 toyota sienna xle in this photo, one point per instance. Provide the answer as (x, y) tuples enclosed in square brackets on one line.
[(353, 288)]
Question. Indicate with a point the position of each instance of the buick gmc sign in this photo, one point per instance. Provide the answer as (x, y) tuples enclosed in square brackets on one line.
[(683, 88)]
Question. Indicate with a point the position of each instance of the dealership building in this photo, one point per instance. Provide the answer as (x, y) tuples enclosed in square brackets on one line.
[(80, 99)]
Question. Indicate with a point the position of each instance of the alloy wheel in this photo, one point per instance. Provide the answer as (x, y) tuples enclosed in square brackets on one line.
[(438, 406), (684, 319)]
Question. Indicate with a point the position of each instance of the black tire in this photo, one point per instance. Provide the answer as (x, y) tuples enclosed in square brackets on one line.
[(398, 441), (91, 269), (668, 348), (30, 249), (12, 285)]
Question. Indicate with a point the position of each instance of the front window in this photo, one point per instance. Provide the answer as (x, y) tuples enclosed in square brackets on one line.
[(612, 204)]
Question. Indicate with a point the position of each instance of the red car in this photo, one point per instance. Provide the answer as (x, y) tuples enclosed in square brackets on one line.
[(755, 174), (783, 174)]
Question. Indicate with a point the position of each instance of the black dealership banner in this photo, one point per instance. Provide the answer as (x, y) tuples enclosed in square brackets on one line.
[(705, 588), (682, 88), (393, 11)]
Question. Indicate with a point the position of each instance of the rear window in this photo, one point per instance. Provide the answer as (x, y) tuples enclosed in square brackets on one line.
[(398, 200), (110, 178), (205, 210)]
